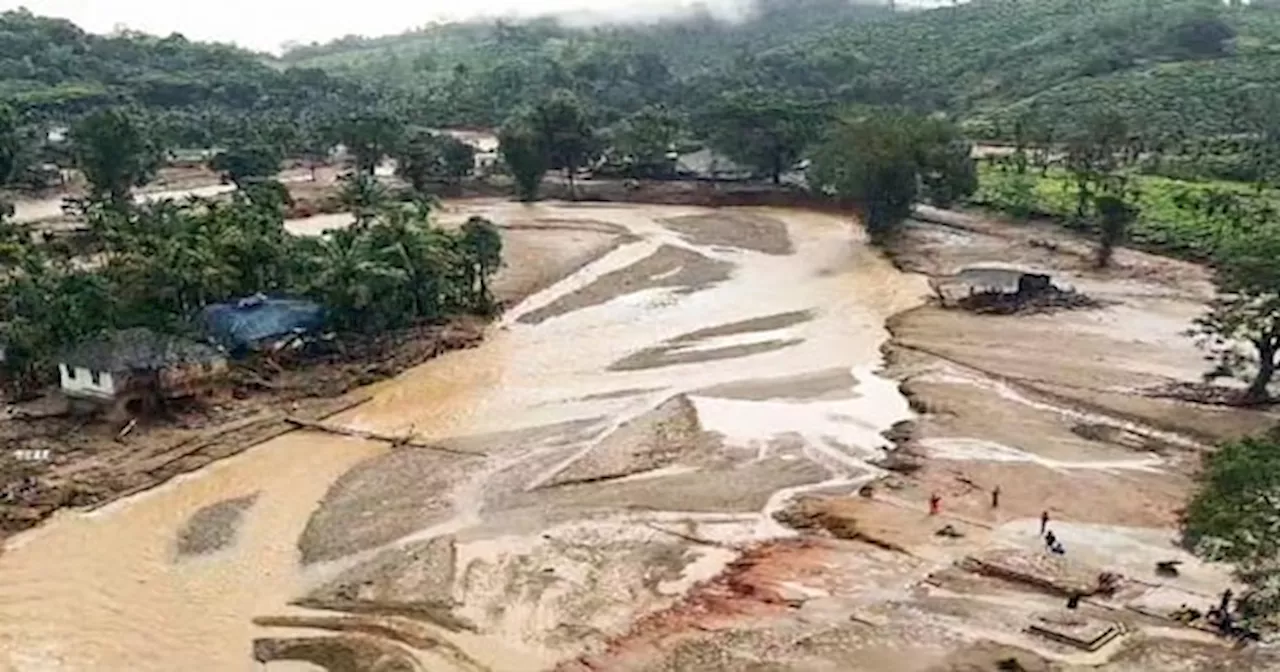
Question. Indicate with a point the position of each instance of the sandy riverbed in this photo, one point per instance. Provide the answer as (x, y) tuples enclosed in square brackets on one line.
[(676, 380), (581, 512)]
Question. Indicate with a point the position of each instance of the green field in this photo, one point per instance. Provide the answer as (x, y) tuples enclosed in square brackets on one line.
[(1163, 225)]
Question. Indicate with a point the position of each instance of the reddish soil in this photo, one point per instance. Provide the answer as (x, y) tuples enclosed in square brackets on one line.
[(748, 589)]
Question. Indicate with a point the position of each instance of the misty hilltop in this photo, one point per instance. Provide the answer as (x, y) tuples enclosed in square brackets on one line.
[(1168, 66), (1167, 63)]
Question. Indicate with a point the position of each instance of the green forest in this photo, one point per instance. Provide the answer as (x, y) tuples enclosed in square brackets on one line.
[(1176, 66), (1187, 77), (1173, 68)]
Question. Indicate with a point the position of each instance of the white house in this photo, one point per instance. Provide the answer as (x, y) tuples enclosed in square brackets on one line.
[(82, 381), (486, 160), (135, 369)]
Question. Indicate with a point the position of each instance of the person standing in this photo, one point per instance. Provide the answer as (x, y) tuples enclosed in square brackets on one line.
[(1044, 522), (995, 497), (935, 504)]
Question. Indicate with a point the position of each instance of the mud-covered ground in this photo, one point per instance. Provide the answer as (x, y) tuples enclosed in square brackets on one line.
[(670, 456), (655, 410), (1058, 411), (54, 460)]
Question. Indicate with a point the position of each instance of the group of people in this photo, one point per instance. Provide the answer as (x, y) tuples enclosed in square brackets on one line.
[(1051, 541)]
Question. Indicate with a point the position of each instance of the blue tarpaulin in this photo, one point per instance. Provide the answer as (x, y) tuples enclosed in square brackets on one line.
[(257, 320)]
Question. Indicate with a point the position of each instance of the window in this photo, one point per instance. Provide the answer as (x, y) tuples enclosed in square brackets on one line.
[(96, 377), (71, 373)]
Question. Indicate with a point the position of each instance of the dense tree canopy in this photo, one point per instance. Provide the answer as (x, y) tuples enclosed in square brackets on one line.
[(1175, 65), (10, 145), (434, 157), (248, 161), (761, 129), (116, 153), (1246, 310), (566, 135), (370, 136), (880, 163), (525, 154), (645, 141)]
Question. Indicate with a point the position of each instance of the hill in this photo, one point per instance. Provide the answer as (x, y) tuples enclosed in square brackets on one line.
[(1164, 63), (52, 72), (1172, 67)]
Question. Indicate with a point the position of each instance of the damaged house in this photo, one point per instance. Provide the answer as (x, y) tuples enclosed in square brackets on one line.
[(261, 324), (137, 370), (990, 279), (1005, 289)]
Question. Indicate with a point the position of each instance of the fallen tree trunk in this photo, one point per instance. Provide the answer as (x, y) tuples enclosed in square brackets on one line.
[(405, 441)]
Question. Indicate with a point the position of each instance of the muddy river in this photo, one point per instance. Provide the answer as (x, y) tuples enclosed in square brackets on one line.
[(705, 366)]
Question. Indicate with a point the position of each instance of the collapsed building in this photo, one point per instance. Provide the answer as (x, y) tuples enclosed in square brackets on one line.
[(1004, 289)]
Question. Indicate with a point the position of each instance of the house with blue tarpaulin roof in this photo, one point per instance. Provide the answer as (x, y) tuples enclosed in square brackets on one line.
[(260, 322)]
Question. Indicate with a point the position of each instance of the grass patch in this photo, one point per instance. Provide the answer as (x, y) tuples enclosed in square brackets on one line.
[(1164, 225)]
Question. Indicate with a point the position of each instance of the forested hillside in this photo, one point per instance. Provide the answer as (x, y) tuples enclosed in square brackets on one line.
[(52, 72), (1170, 66)]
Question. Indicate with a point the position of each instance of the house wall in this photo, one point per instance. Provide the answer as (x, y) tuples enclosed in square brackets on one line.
[(78, 382), (485, 160), (191, 379)]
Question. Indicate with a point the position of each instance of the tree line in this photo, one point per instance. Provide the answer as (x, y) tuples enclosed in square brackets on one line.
[(1174, 65)]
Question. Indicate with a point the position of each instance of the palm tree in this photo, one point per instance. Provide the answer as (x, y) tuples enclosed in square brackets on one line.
[(352, 278), (423, 253), (364, 196), (481, 248)]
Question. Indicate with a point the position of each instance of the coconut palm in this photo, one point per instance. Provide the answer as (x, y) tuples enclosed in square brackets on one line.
[(350, 276)]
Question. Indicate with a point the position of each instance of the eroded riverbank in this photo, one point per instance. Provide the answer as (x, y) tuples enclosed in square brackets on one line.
[(88, 464)]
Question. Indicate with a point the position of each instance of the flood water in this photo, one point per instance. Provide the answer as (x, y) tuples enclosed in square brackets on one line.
[(107, 591)]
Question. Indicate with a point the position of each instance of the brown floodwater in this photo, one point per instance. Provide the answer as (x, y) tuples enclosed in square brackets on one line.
[(107, 590)]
